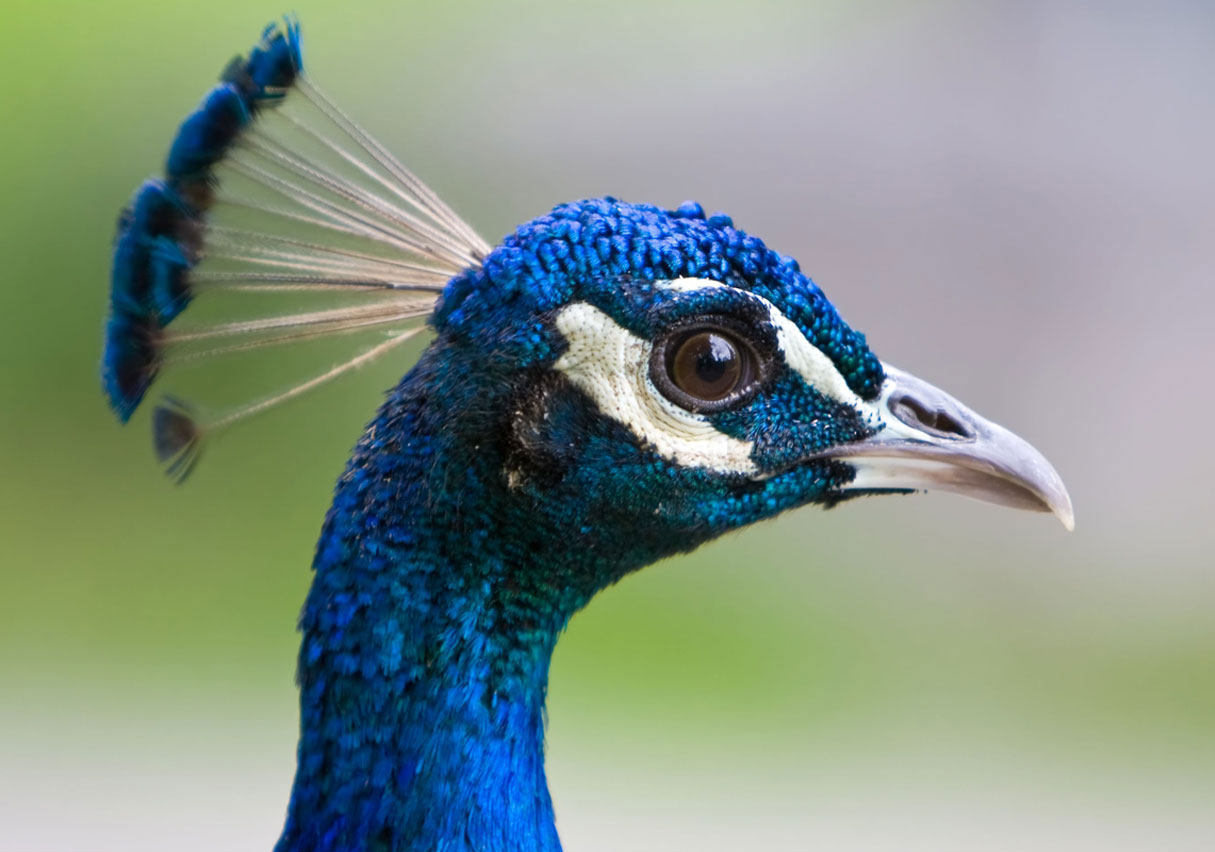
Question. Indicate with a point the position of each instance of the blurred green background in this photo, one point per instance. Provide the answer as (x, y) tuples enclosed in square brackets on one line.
[(1013, 199)]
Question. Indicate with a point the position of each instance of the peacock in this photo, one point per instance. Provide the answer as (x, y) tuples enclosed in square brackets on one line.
[(611, 384)]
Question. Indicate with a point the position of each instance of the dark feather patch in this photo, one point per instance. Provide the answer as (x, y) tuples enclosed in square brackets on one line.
[(176, 437), (132, 359), (543, 437)]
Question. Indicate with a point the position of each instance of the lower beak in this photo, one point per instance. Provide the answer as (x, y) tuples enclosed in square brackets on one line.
[(932, 442)]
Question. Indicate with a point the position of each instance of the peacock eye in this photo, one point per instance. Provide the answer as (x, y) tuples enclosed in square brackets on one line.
[(705, 369), (706, 365)]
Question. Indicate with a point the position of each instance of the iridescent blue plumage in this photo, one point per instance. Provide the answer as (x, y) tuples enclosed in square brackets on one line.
[(169, 267), (246, 85), (273, 64), (205, 137), (159, 237), (555, 436), (541, 265), (146, 286)]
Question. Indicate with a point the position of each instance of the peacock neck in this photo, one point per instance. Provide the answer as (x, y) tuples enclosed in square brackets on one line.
[(421, 718), (427, 636)]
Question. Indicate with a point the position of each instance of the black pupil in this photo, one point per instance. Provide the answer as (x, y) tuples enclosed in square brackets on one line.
[(707, 365)]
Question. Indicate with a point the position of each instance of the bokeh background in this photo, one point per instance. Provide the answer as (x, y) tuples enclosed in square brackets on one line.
[(1013, 199)]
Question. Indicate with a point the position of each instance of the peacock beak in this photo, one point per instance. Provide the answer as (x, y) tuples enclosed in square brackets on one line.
[(932, 442)]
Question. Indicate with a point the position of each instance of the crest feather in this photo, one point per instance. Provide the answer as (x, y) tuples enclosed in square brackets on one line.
[(270, 188)]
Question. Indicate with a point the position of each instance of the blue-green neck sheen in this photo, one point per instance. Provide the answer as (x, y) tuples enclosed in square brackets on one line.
[(442, 583)]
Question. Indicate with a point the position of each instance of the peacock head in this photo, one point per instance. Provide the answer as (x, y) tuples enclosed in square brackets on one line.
[(656, 374), (668, 376)]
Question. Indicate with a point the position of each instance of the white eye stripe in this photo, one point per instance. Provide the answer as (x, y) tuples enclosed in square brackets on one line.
[(802, 356), (611, 366)]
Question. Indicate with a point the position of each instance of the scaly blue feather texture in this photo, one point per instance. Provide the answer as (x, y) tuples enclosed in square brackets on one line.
[(607, 240), (486, 504)]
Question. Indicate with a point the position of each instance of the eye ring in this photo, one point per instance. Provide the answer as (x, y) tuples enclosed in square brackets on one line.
[(707, 366)]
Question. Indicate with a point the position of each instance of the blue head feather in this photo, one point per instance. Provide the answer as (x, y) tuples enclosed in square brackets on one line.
[(586, 248)]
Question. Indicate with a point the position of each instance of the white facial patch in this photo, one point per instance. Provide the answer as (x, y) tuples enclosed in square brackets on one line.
[(611, 365)]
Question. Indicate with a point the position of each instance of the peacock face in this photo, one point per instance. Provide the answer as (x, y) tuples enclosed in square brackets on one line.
[(670, 371)]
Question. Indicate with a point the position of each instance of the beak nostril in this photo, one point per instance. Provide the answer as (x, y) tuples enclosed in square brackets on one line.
[(935, 421)]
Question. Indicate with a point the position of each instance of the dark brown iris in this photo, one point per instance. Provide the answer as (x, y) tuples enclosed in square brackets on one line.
[(710, 364), (707, 365)]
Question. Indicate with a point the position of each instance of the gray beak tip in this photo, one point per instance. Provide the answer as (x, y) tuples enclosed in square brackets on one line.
[(1057, 501), (1067, 519)]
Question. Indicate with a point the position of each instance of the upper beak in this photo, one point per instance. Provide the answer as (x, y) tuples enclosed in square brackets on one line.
[(933, 442)]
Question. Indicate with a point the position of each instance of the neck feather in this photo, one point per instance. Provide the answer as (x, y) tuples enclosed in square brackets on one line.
[(427, 638)]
